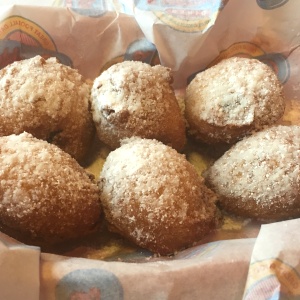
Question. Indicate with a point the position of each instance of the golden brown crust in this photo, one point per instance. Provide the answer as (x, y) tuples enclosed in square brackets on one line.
[(259, 177), (44, 192), (49, 100), (134, 99), (231, 99), (154, 197)]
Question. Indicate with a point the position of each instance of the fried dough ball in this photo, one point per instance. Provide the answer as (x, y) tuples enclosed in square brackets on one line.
[(132, 98), (49, 100), (154, 197), (259, 177), (44, 192), (233, 98)]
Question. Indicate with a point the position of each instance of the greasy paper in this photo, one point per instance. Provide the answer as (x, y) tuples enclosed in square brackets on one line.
[(187, 36)]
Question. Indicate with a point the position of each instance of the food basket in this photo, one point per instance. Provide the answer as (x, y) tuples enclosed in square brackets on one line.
[(241, 260)]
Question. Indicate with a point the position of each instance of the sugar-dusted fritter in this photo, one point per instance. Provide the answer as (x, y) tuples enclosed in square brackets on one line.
[(259, 177), (44, 193), (231, 99), (132, 98), (49, 100), (154, 197)]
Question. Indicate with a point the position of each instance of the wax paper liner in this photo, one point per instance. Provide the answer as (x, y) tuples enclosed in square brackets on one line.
[(187, 36)]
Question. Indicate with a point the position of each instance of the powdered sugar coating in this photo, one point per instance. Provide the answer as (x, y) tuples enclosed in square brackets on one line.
[(132, 98), (153, 196), (44, 192), (260, 176), (49, 100), (232, 98)]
